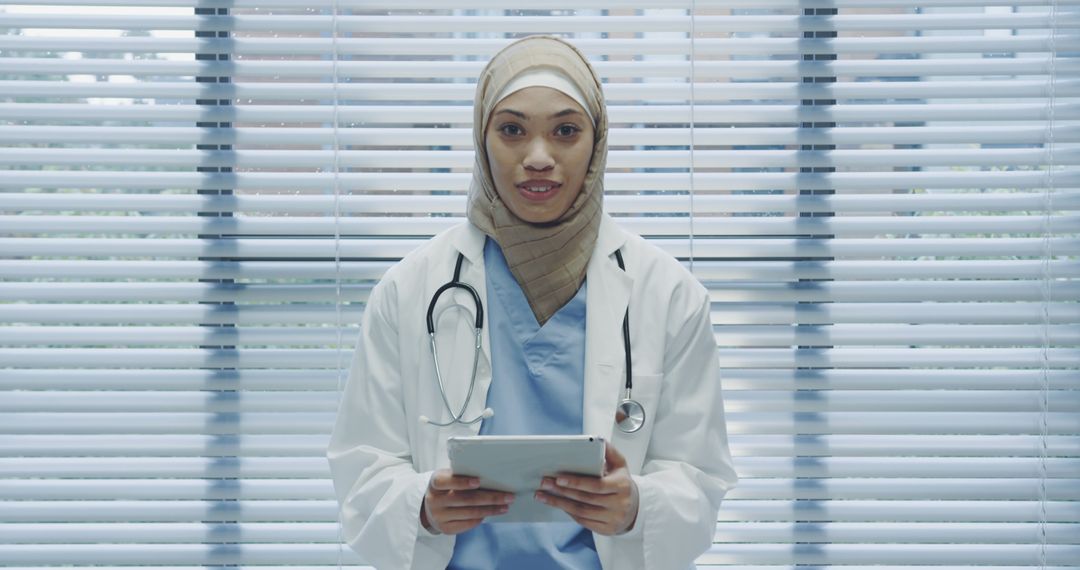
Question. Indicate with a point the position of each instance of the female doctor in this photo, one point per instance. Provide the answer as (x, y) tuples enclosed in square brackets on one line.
[(569, 300)]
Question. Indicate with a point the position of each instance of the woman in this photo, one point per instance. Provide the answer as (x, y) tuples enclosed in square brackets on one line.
[(557, 277)]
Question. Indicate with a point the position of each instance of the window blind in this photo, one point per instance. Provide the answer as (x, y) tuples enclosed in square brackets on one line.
[(880, 195)]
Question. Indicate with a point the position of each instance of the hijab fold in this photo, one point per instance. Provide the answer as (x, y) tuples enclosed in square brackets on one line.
[(547, 260)]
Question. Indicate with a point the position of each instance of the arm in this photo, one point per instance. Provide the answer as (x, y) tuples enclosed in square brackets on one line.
[(688, 466), (379, 491)]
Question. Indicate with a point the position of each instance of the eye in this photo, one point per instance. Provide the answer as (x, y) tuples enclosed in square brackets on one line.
[(567, 130), (511, 130)]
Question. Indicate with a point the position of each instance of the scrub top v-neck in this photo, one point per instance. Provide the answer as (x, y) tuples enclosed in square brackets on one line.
[(537, 388)]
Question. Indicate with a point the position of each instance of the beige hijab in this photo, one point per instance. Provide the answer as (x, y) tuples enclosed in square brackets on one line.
[(549, 260)]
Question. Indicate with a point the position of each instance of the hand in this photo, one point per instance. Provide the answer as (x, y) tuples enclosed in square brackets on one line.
[(454, 504), (606, 505)]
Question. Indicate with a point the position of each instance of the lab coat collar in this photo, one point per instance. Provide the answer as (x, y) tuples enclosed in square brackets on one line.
[(610, 238), (469, 241)]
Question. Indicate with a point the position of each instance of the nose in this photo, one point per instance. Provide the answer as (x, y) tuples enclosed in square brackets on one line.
[(538, 156)]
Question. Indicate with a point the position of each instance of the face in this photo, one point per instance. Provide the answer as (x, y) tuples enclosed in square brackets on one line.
[(539, 143)]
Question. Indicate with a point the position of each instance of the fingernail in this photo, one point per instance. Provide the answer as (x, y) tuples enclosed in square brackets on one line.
[(546, 485), (562, 481), (502, 510), (542, 499), (474, 483), (508, 499)]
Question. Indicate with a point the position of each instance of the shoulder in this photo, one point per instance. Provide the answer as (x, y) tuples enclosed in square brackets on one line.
[(419, 261), (408, 278), (659, 275)]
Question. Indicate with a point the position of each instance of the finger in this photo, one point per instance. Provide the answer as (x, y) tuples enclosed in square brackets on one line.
[(612, 458), (458, 527), (595, 526), (606, 501), (597, 485), (476, 498), (445, 480), (573, 508), (468, 513)]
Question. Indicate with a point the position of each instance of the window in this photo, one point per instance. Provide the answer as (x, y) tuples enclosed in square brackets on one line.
[(196, 197)]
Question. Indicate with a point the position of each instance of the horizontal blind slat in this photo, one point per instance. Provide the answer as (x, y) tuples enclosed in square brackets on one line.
[(884, 357), (843, 182), (752, 532), (742, 445), (743, 401), (392, 226), (1003, 489), (177, 158), (106, 378), (462, 115), (535, 4), (190, 555), (704, 269), (753, 46), (534, 24), (398, 248), (672, 202), (726, 335), (130, 314), (762, 423), (941, 90), (843, 555), (460, 137), (323, 511), (1015, 312), (703, 70), (829, 291)]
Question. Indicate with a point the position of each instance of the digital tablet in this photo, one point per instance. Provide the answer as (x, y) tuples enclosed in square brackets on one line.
[(517, 464)]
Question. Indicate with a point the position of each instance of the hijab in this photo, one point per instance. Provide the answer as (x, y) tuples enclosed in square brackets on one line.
[(547, 260)]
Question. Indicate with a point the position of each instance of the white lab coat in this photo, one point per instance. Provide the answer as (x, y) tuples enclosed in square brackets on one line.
[(381, 456)]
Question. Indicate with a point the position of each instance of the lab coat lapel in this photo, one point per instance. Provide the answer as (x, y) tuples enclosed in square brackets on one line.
[(607, 297)]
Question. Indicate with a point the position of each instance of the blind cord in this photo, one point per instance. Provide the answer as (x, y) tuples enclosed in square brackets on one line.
[(337, 233), (1046, 290)]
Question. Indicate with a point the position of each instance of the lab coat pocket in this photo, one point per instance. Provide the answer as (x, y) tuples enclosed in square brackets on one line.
[(633, 446)]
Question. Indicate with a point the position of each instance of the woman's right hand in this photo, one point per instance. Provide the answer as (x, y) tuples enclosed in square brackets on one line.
[(454, 504)]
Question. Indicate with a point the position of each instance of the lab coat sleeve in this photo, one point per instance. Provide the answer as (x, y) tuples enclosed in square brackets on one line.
[(688, 466), (377, 487)]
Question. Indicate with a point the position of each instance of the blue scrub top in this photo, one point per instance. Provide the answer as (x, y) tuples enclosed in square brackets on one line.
[(537, 388)]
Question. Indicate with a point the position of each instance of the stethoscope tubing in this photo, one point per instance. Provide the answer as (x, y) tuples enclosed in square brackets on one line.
[(478, 326), (456, 418), (455, 284), (626, 335)]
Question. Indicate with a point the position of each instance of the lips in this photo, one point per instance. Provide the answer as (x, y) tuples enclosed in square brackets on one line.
[(541, 189)]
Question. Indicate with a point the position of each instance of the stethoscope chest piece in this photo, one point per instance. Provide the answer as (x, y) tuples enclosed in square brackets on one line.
[(630, 415)]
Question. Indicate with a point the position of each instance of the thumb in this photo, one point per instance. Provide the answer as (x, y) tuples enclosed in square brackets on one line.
[(613, 460)]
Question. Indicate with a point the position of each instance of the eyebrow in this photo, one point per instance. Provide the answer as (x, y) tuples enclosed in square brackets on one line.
[(524, 117)]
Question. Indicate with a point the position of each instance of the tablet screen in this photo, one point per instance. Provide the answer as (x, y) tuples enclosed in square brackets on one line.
[(517, 464)]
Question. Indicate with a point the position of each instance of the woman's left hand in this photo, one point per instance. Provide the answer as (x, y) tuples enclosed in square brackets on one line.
[(606, 505)]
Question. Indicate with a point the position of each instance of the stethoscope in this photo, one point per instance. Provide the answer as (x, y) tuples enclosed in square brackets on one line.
[(629, 414)]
